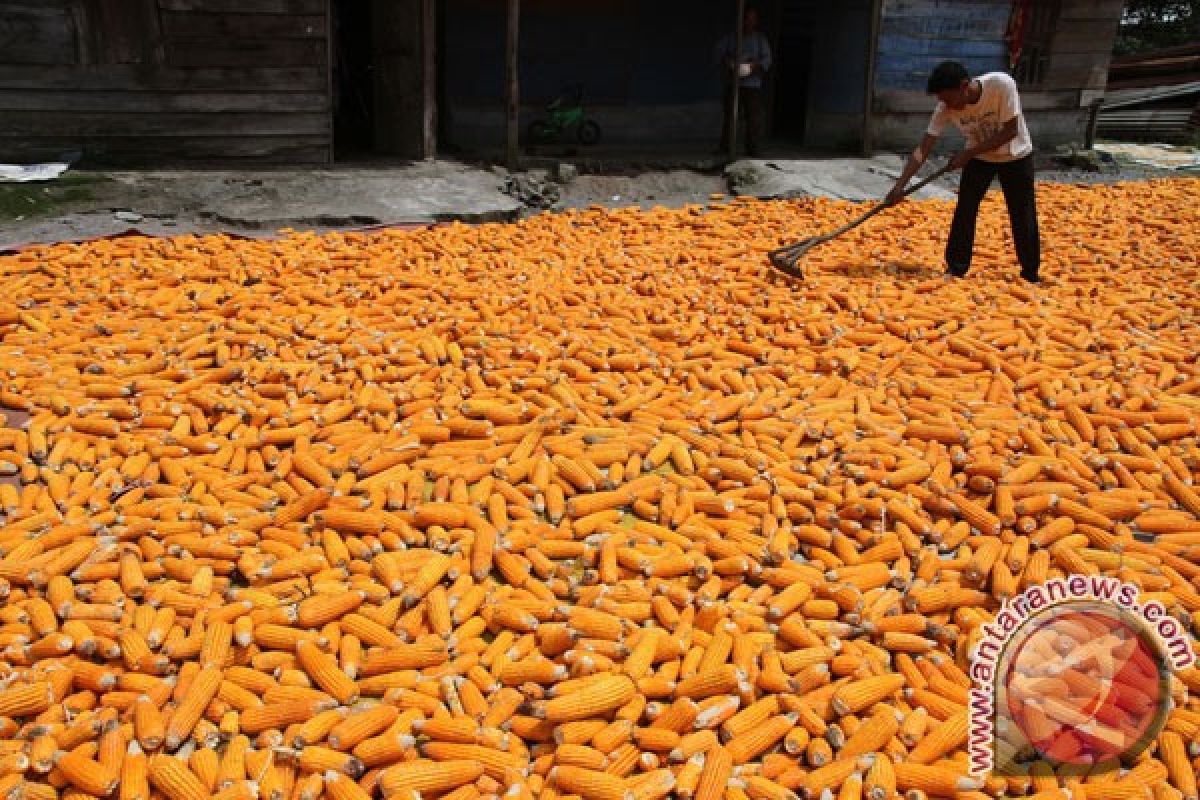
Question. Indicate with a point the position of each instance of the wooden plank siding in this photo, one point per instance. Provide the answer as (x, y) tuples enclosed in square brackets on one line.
[(1081, 49), (162, 82), (37, 33), (916, 34)]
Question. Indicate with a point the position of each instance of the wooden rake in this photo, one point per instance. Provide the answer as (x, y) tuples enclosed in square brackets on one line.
[(786, 259)]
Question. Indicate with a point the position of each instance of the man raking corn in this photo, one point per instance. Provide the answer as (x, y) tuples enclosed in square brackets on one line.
[(987, 110)]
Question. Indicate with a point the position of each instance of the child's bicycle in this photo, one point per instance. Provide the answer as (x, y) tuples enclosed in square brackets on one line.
[(566, 115)]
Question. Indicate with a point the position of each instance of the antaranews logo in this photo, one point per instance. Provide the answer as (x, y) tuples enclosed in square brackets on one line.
[(1074, 671)]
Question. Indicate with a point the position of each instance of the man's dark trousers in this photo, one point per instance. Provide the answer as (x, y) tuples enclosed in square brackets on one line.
[(1016, 180), (750, 110)]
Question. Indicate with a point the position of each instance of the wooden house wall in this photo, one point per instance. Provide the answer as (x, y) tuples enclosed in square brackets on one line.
[(916, 34), (193, 81), (164, 81), (648, 69)]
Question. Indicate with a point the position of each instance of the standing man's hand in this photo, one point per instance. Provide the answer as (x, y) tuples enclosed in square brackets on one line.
[(960, 160)]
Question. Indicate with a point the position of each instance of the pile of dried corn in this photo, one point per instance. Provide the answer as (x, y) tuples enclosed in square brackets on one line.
[(587, 506)]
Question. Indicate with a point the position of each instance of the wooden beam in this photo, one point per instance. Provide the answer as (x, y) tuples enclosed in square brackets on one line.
[(1091, 9), (243, 7), (512, 99), (901, 101), (429, 80), (735, 83), (771, 88), (1089, 140), (868, 137), (330, 149)]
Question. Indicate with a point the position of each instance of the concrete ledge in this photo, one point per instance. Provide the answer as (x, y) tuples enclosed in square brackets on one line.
[(853, 179)]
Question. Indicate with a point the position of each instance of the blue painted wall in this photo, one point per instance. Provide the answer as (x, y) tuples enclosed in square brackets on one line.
[(916, 34)]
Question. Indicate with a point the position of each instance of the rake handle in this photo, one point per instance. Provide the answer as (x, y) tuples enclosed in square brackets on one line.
[(916, 187), (786, 258)]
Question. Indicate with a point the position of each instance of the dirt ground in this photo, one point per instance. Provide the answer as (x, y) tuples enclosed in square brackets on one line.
[(83, 204)]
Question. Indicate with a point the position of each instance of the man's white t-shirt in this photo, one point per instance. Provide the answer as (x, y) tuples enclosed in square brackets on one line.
[(998, 103)]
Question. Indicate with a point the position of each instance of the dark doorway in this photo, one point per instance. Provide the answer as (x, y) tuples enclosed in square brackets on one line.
[(353, 79), (445, 108), (793, 67)]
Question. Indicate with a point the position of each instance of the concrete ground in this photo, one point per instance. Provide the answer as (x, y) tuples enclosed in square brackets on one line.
[(162, 202)]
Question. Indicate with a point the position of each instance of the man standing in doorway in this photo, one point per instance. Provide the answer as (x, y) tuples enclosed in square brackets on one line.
[(748, 70), (987, 110)]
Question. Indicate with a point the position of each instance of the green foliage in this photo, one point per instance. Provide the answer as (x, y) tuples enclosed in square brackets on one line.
[(1154, 24), (26, 200)]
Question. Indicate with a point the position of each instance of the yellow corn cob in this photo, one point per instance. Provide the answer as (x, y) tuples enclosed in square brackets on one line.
[(324, 671), (942, 740), (432, 571), (880, 781), (934, 779), (859, 695), (914, 472), (314, 758), (205, 764), (316, 728), (1172, 751), (361, 725), (603, 696), (173, 778), (588, 784), (279, 715), (418, 655), (654, 785), (871, 734), (312, 470), (302, 507), (25, 700), (750, 744), (341, 787), (429, 776), (715, 775), (85, 774), (201, 692), (725, 679), (496, 763), (134, 777), (349, 521), (579, 755), (148, 723)]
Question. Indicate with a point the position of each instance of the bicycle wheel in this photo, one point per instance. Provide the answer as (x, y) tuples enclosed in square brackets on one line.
[(589, 132)]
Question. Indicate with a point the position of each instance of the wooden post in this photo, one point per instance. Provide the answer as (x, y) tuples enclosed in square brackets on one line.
[(330, 155), (512, 100), (736, 81), (869, 90), (429, 80), (1093, 123)]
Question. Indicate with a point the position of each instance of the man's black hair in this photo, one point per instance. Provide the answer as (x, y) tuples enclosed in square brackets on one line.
[(946, 75)]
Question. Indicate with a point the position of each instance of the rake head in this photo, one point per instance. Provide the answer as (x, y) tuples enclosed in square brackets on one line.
[(787, 259)]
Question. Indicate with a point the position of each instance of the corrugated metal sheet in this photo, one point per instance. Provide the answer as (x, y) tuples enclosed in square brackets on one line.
[(1162, 113), (1147, 124), (1123, 98)]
